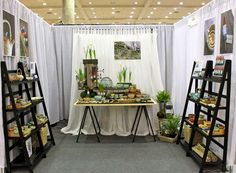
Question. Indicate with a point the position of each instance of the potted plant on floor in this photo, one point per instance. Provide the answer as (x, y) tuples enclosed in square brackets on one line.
[(162, 98), (169, 129)]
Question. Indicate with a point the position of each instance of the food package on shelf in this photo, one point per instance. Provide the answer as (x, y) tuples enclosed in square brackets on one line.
[(41, 119), (199, 149), (13, 130)]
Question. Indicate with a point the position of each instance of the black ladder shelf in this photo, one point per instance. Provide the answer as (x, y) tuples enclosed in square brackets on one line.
[(212, 115), (23, 159)]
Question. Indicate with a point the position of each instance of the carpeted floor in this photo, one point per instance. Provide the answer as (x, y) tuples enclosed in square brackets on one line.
[(114, 155)]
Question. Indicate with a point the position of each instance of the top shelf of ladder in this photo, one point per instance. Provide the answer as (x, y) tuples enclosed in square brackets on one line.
[(18, 82), (210, 79)]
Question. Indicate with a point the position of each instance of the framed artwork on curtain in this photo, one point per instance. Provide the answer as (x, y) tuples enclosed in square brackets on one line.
[(8, 34), (227, 32), (24, 45), (209, 37), (127, 50)]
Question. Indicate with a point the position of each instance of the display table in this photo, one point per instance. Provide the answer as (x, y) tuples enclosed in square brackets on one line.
[(140, 108)]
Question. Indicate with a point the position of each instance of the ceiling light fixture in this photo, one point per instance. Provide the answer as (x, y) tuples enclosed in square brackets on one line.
[(166, 17), (151, 12), (94, 13), (135, 2), (159, 23), (131, 12), (55, 13), (170, 13), (181, 3), (90, 2), (113, 8), (159, 3), (50, 9), (203, 3), (130, 16), (148, 16), (44, 3), (95, 16), (134, 8), (175, 9), (154, 8), (112, 12), (77, 17), (59, 17)]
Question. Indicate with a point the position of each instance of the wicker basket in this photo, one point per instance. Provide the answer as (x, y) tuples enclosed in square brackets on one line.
[(187, 135), (44, 137)]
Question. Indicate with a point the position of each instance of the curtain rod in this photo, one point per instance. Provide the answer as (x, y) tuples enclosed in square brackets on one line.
[(111, 26)]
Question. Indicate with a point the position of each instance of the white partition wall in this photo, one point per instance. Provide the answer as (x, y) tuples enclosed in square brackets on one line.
[(189, 46)]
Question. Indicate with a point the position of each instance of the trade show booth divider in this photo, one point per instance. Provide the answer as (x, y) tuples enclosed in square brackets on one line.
[(190, 45)]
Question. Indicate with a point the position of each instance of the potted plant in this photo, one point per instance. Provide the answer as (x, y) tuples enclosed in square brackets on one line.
[(162, 98), (169, 128), (80, 78), (101, 89)]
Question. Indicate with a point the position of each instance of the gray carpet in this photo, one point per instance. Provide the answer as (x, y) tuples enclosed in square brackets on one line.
[(114, 155)]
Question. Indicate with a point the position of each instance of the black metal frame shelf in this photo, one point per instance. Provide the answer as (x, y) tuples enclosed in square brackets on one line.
[(212, 112), (19, 114)]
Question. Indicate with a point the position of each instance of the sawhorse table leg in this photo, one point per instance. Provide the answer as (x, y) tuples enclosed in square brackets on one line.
[(138, 117), (93, 118)]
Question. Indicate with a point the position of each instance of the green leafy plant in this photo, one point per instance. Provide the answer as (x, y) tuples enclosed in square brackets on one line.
[(124, 74), (120, 74), (163, 96), (94, 53), (80, 75), (90, 51), (170, 126), (130, 75), (101, 87)]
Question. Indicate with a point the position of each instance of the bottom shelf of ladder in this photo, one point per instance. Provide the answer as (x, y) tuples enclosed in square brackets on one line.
[(20, 161), (216, 165)]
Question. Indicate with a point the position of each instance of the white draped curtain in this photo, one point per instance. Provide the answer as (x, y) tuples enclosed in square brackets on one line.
[(189, 46), (146, 75)]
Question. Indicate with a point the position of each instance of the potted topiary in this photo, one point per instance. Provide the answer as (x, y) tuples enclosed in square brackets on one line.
[(169, 129), (162, 98)]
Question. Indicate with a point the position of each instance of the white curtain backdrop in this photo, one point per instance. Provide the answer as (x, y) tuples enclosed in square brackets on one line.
[(63, 41), (165, 52), (189, 46), (41, 50), (146, 74)]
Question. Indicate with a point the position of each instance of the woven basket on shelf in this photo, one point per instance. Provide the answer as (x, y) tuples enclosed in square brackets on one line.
[(187, 135), (44, 137)]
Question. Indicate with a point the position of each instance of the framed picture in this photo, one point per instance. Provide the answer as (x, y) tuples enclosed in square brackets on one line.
[(209, 37), (8, 34), (227, 32), (24, 45), (127, 50)]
